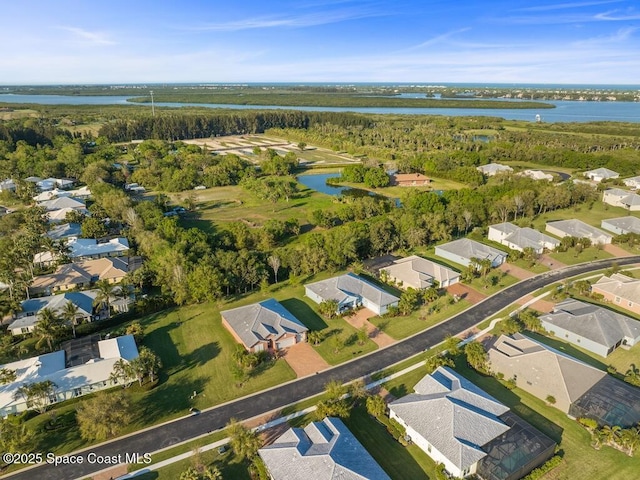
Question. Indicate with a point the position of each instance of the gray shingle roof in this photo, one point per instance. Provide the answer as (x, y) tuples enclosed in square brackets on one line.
[(524, 237), (597, 324), (626, 288), (453, 415), (346, 286), (579, 229), (416, 270), (324, 450), (263, 320), (628, 224), (467, 248), (602, 172)]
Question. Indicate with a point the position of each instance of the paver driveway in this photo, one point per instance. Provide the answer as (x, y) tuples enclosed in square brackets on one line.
[(360, 318), (304, 360)]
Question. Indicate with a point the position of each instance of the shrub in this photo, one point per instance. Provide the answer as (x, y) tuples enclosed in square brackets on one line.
[(545, 468)]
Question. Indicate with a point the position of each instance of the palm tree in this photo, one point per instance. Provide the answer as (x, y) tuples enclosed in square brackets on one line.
[(103, 298), (70, 314), (47, 328), (632, 375), (244, 442)]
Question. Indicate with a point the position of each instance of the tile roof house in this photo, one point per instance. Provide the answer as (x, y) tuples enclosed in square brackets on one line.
[(622, 225), (264, 326), (324, 450), (591, 327), (464, 249), (580, 390), (87, 248), (451, 420), (27, 317), (409, 180), (578, 229), (620, 290), (518, 238), (621, 198), (71, 380), (80, 275), (492, 169), (419, 273), (600, 174), (351, 291)]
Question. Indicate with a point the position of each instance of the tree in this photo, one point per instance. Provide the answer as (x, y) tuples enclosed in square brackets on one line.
[(436, 361), (104, 415), (7, 376), (105, 291), (476, 356), (122, 371), (145, 364), (135, 329), (376, 406), (632, 376), (530, 320), (328, 308), (302, 146), (314, 337), (93, 227), (15, 437), (48, 328), (244, 442), (70, 315), (274, 263), (376, 178), (408, 301), (452, 345), (204, 473), (510, 326), (363, 335), (37, 395), (357, 391)]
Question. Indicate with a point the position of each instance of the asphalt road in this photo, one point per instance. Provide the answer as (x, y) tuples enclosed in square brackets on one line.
[(188, 427)]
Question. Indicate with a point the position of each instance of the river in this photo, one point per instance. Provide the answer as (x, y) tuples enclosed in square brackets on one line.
[(565, 111)]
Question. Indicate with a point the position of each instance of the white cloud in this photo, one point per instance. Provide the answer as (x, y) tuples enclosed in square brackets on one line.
[(95, 38)]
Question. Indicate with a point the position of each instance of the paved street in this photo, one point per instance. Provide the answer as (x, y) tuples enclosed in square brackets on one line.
[(183, 429)]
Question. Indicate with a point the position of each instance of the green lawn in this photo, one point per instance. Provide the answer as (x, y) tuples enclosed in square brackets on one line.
[(404, 326), (229, 465), (572, 257)]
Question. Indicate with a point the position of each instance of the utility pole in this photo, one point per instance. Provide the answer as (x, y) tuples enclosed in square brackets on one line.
[(153, 110)]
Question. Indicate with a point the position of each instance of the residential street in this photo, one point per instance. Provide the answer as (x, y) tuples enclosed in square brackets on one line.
[(215, 418)]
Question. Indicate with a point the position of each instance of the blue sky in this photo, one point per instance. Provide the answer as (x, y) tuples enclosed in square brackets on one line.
[(422, 41)]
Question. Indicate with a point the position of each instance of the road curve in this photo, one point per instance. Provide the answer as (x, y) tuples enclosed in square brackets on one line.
[(188, 427)]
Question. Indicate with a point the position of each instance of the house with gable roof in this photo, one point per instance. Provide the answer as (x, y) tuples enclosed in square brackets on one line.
[(321, 450), (578, 229), (463, 250), (461, 426), (622, 225), (351, 291), (517, 238), (620, 290), (419, 273), (264, 326), (600, 174), (492, 169)]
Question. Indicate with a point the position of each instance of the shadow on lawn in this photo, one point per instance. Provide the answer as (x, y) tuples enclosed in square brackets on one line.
[(171, 398), (304, 313)]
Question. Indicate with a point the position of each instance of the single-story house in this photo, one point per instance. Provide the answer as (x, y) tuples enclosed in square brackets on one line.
[(417, 272), (264, 326), (618, 197), (591, 327), (60, 216), (80, 275), (64, 230), (578, 229), (492, 169), (7, 185), (600, 174), (27, 317), (459, 425), (622, 225), (51, 183), (71, 380), (578, 389), (464, 249), (537, 175), (87, 248), (83, 193), (633, 183), (517, 238), (58, 203), (51, 194), (621, 290), (409, 179), (321, 450), (351, 291)]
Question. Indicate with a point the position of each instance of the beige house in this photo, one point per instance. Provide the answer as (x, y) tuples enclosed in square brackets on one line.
[(417, 272), (80, 275), (620, 290), (409, 180)]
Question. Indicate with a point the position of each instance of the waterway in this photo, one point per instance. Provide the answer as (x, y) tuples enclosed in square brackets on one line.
[(565, 111)]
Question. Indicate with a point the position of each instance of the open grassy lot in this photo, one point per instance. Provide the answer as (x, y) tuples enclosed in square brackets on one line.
[(228, 464), (571, 256), (404, 326)]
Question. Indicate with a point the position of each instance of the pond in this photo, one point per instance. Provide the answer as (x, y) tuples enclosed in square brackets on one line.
[(318, 182)]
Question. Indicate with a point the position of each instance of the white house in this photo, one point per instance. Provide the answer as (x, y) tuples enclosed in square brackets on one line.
[(464, 249), (600, 174), (87, 248), (70, 380), (633, 182), (594, 328), (518, 238), (621, 198), (622, 225), (537, 175), (351, 291), (7, 185), (417, 272), (492, 169), (456, 423), (578, 229)]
